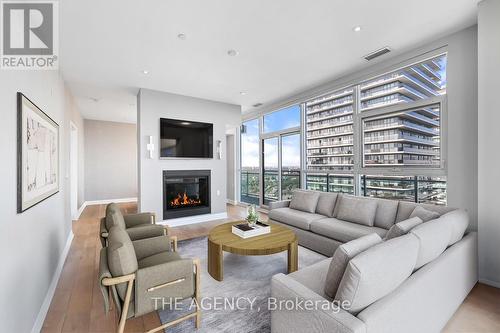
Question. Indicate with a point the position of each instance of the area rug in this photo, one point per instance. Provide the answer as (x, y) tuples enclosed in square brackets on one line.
[(239, 303)]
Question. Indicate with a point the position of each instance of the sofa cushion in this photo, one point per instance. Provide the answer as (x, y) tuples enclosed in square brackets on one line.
[(424, 214), (313, 277), (458, 221), (376, 272), (305, 201), (341, 258), (342, 230), (294, 217), (357, 210), (405, 208), (403, 227), (121, 256), (326, 203), (433, 237), (386, 213), (121, 253), (114, 217)]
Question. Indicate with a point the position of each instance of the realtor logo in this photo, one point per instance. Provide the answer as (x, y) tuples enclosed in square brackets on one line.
[(29, 35)]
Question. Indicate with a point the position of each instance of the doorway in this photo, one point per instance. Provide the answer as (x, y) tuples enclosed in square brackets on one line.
[(280, 166), (73, 158)]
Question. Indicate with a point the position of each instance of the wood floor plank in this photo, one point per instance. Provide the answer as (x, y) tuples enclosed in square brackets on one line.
[(77, 305)]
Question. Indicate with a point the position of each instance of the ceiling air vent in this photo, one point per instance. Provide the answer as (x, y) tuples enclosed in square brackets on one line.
[(256, 105), (377, 53)]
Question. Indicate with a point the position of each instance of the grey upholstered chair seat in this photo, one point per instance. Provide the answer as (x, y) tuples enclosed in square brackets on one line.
[(343, 231), (157, 259), (296, 218)]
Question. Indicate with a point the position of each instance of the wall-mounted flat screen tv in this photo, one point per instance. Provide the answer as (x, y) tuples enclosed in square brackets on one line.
[(185, 139)]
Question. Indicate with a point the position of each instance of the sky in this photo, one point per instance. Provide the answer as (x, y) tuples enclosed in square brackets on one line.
[(285, 118)]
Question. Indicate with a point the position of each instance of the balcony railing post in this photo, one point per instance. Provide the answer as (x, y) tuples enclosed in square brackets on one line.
[(415, 184)]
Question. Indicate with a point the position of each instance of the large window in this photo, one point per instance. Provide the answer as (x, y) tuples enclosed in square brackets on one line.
[(329, 131), (283, 119), (359, 137), (249, 181), (403, 138), (290, 164), (381, 137)]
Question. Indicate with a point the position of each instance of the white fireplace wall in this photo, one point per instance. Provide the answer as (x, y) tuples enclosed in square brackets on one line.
[(153, 105)]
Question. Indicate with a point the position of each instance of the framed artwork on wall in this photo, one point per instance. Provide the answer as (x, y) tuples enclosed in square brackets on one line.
[(37, 154)]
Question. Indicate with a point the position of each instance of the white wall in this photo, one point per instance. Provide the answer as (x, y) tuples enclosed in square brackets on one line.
[(77, 119), (110, 160), (462, 109), (489, 138), (230, 165), (153, 105), (31, 243)]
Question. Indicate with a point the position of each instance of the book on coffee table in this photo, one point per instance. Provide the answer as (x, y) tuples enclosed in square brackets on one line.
[(243, 230)]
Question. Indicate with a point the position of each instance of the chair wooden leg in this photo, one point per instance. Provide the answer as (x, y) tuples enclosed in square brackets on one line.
[(126, 303), (197, 265), (174, 243)]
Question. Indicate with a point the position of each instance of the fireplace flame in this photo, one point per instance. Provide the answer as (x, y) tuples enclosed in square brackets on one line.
[(182, 199)]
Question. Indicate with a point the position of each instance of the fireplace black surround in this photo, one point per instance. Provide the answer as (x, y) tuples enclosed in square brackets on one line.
[(185, 193)]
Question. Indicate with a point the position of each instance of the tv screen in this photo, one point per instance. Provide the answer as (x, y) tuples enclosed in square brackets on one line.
[(185, 139)]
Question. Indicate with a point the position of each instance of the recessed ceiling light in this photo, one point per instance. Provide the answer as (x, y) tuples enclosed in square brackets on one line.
[(356, 28), (243, 93), (185, 123), (181, 36), (232, 53), (145, 72)]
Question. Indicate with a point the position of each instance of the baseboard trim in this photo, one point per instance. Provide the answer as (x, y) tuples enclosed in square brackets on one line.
[(108, 201), (40, 318), (495, 284), (80, 211), (102, 202), (193, 219)]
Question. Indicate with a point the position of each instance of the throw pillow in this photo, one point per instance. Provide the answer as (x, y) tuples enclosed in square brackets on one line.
[(341, 258), (424, 214), (376, 272), (403, 227)]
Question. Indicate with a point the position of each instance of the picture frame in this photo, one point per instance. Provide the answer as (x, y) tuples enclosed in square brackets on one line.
[(38, 150)]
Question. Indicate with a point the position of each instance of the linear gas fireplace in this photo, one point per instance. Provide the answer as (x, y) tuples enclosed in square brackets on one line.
[(186, 193)]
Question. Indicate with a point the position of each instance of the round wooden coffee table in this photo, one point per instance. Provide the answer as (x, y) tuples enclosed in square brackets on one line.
[(222, 239)]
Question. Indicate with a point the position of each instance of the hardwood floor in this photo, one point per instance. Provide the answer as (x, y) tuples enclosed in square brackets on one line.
[(77, 305)]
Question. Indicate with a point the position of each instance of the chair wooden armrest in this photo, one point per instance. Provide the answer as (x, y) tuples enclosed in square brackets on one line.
[(126, 302)]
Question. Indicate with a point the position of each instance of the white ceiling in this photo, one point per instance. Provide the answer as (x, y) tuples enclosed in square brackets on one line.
[(284, 46)]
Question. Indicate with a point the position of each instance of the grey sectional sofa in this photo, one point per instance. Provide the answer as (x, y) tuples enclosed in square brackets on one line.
[(320, 228), (438, 260)]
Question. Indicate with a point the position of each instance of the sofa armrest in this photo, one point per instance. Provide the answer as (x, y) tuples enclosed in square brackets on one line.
[(146, 231), (150, 246), (134, 220), (279, 204), (162, 284), (323, 316)]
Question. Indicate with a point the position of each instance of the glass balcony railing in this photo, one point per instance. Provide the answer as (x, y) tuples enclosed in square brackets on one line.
[(250, 187), (416, 188), (290, 180)]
